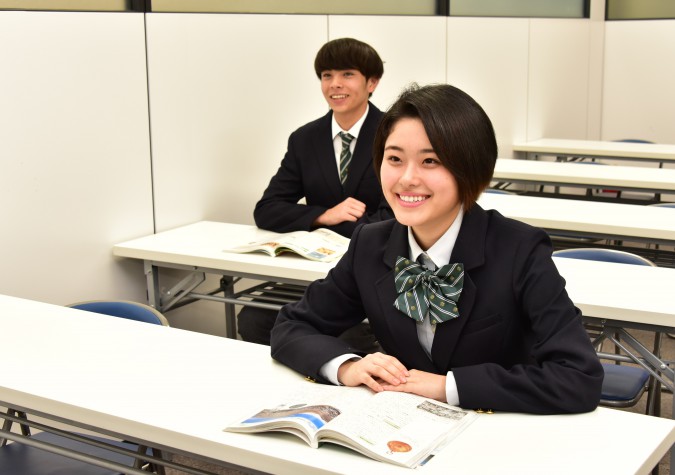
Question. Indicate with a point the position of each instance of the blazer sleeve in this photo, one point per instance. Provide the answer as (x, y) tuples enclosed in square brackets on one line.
[(563, 374), (278, 210), (305, 335)]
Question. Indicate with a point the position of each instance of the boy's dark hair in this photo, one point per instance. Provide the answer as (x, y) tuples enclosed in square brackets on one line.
[(348, 53), (458, 128)]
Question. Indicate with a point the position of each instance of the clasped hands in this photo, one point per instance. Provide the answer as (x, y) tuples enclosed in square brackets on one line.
[(382, 372)]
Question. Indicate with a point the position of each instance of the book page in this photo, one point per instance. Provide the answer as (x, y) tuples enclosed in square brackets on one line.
[(307, 411), (399, 427), (320, 245)]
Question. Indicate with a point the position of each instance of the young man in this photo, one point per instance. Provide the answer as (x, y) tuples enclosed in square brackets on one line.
[(328, 163)]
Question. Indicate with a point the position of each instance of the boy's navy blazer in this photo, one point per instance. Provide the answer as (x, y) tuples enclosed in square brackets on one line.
[(309, 170), (517, 345)]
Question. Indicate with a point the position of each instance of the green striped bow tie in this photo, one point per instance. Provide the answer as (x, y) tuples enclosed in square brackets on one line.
[(421, 291)]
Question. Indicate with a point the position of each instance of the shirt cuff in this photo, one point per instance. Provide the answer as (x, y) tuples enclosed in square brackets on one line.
[(329, 370), (451, 393)]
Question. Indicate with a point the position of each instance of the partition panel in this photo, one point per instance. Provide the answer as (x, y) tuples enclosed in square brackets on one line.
[(225, 93), (558, 83), (639, 97), (75, 155), (412, 49), (487, 58)]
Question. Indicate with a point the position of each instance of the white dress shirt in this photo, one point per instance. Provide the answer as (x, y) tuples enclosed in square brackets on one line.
[(354, 132)]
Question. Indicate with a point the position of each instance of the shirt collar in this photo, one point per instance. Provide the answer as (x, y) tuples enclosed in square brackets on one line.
[(356, 128), (441, 251)]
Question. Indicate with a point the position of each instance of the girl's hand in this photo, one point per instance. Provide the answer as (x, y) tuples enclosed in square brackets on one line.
[(372, 370), (423, 384)]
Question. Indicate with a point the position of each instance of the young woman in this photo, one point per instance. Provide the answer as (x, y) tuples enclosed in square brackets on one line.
[(493, 328)]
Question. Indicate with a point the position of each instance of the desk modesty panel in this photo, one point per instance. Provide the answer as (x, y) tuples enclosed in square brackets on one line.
[(597, 149), (207, 382)]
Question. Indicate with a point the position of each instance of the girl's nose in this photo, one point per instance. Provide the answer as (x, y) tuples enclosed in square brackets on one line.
[(410, 175)]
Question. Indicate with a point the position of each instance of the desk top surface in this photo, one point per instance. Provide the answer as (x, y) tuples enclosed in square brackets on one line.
[(201, 244), (538, 171), (593, 286), (598, 148), (207, 382), (606, 219), (623, 292)]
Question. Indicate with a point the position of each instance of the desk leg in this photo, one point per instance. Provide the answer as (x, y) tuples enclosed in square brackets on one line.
[(152, 284), (227, 284)]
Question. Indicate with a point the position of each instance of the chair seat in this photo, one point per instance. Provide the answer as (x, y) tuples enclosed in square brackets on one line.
[(623, 383), (20, 459)]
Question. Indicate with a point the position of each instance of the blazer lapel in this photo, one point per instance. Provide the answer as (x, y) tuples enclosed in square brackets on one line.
[(469, 250), (324, 154), (403, 330)]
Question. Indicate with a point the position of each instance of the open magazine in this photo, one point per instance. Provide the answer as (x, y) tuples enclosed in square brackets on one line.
[(399, 428), (319, 245)]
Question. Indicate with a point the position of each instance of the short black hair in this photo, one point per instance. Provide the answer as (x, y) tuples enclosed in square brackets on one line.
[(459, 131), (348, 53)]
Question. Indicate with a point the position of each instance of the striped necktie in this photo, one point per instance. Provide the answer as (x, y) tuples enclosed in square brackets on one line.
[(345, 155)]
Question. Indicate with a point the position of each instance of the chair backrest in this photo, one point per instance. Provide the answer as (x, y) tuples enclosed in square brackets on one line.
[(605, 255), (123, 309), (497, 191), (634, 141)]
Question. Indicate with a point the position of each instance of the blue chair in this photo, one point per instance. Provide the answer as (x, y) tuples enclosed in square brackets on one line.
[(623, 386), (498, 191), (123, 309), (21, 459)]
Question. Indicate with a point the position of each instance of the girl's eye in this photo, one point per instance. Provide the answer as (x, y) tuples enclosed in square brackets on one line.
[(431, 161), (393, 158)]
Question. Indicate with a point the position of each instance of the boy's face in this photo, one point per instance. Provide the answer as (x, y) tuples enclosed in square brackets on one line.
[(346, 92)]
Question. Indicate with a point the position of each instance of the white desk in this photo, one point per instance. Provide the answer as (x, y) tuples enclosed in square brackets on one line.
[(106, 373), (603, 220), (597, 149), (532, 172), (198, 248)]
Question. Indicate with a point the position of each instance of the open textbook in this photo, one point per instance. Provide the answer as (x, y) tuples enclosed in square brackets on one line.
[(319, 245), (399, 428)]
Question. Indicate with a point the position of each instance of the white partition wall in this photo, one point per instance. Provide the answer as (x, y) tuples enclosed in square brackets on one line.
[(74, 152), (488, 58), (638, 88), (412, 49), (558, 83), (225, 93)]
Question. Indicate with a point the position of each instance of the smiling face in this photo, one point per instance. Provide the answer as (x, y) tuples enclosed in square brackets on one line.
[(347, 92), (422, 193)]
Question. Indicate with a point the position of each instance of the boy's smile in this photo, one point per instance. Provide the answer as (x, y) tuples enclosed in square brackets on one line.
[(347, 93)]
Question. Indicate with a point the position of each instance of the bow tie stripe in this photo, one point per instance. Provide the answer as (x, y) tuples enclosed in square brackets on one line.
[(423, 291)]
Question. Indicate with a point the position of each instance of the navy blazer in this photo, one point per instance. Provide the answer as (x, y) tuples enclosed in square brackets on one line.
[(309, 170), (517, 345)]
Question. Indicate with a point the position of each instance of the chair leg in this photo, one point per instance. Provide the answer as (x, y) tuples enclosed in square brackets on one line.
[(654, 388), (7, 425)]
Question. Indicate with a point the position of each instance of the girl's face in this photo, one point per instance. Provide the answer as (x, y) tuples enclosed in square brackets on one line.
[(420, 190)]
